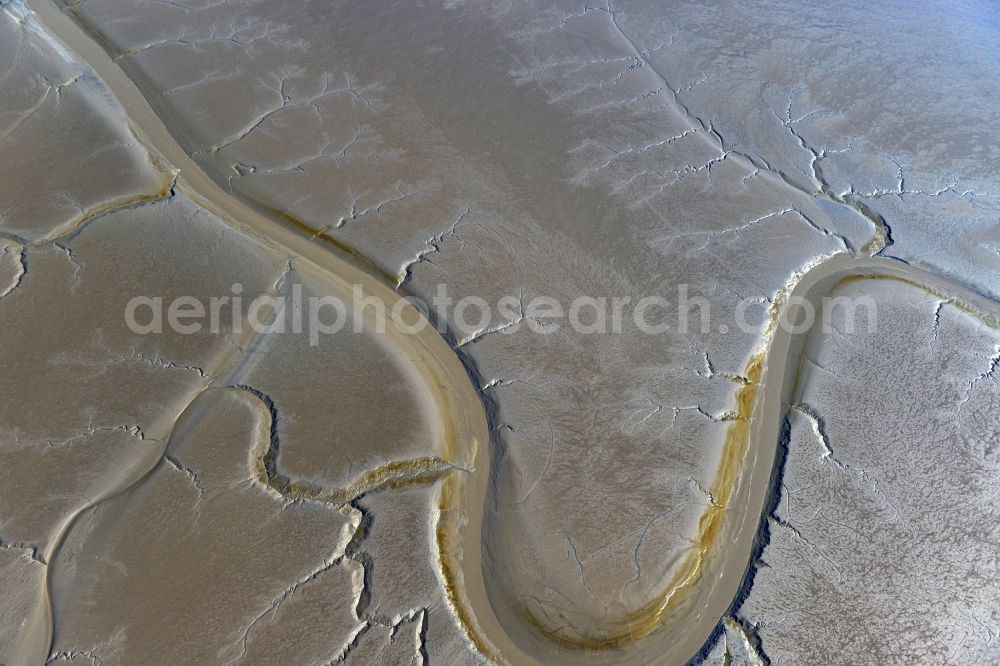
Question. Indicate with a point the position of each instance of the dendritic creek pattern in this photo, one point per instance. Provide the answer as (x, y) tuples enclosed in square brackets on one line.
[(511, 492)]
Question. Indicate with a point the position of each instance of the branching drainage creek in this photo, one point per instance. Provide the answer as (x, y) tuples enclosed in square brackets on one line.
[(702, 588)]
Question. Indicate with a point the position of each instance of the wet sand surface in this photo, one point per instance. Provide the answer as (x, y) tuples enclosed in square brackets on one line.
[(908, 466), (508, 492)]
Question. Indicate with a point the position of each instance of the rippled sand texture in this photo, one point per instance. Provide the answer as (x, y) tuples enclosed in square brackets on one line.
[(499, 150)]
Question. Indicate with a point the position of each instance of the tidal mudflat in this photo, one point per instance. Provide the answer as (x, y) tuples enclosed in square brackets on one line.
[(468, 332)]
